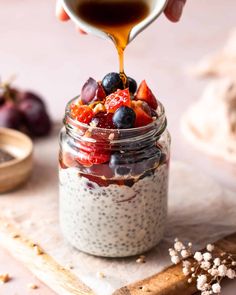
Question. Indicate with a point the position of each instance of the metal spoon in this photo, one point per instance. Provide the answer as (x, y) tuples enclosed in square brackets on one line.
[(156, 8)]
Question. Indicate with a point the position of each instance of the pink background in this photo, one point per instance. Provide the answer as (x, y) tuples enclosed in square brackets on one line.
[(53, 59)]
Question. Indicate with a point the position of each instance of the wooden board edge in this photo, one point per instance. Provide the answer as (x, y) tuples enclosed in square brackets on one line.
[(44, 267)]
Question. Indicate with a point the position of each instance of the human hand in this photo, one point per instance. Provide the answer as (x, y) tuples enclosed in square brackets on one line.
[(173, 10)]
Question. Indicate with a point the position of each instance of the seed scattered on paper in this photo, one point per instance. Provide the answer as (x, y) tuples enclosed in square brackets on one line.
[(141, 259), (38, 250), (4, 278), (100, 275), (32, 286)]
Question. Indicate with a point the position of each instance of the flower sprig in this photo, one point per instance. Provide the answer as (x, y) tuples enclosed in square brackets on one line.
[(205, 268)]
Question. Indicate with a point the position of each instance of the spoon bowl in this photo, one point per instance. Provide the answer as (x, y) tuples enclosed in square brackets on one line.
[(156, 7)]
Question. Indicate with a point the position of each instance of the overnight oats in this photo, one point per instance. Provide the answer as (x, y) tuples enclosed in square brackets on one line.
[(114, 163)]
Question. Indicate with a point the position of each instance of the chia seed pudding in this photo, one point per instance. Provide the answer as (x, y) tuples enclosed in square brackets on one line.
[(113, 174)]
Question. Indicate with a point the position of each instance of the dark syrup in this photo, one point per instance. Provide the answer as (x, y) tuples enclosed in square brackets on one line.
[(116, 18)]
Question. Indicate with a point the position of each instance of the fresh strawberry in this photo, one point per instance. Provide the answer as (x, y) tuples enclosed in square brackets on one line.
[(145, 93), (83, 113), (95, 157), (117, 99), (92, 154), (142, 118)]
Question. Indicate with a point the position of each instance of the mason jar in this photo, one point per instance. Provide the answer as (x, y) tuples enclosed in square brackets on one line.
[(113, 186)]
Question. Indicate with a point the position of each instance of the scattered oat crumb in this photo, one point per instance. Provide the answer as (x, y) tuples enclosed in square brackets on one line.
[(141, 259), (15, 236), (38, 250), (32, 286), (100, 275), (4, 278), (146, 289), (111, 136), (69, 266)]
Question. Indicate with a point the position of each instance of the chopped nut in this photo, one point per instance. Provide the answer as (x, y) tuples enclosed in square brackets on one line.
[(4, 278), (32, 286), (100, 275), (99, 108)]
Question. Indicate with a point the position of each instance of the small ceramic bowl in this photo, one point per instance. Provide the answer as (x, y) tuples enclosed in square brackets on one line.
[(16, 171)]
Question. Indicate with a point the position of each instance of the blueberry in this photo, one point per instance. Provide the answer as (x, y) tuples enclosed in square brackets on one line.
[(111, 82), (132, 85), (124, 118)]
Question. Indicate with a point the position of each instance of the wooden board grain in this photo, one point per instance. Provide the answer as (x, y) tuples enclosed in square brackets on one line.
[(58, 278)]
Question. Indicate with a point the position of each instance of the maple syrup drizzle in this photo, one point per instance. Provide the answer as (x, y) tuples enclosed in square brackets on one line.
[(115, 18)]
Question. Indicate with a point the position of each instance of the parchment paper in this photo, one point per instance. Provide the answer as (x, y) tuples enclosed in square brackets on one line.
[(199, 211)]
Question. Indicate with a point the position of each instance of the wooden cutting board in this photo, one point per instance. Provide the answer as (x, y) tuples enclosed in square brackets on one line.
[(199, 211)]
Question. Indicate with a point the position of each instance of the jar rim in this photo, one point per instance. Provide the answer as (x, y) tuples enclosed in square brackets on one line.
[(160, 123)]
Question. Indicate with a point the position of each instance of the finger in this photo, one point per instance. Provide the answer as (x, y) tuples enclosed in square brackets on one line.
[(60, 12), (174, 10)]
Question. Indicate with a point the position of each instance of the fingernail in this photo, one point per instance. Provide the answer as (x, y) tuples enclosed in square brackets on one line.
[(177, 9)]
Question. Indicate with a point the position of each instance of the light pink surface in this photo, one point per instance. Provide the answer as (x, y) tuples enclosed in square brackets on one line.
[(53, 59)]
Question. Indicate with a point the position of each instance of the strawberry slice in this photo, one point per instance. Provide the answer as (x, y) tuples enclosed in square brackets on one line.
[(90, 154), (81, 113), (144, 93), (118, 99), (142, 118)]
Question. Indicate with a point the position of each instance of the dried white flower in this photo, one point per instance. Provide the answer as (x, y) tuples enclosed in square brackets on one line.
[(206, 293), (190, 281), (222, 269), (186, 271), (205, 265), (201, 281), (217, 261), (231, 274), (190, 245), (207, 256), (175, 259), (178, 246), (172, 252), (234, 263), (216, 288), (210, 247), (198, 256), (185, 253), (213, 271), (186, 263)]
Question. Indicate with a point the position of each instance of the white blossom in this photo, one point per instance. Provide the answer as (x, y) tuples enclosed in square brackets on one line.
[(207, 256), (205, 265), (178, 246), (175, 259), (186, 271), (217, 261), (185, 253), (201, 281), (172, 252), (206, 293), (233, 263), (222, 269), (210, 247), (186, 263), (213, 271), (231, 274), (198, 256), (216, 288)]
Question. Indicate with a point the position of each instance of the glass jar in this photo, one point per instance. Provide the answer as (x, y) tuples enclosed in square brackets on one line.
[(113, 186)]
